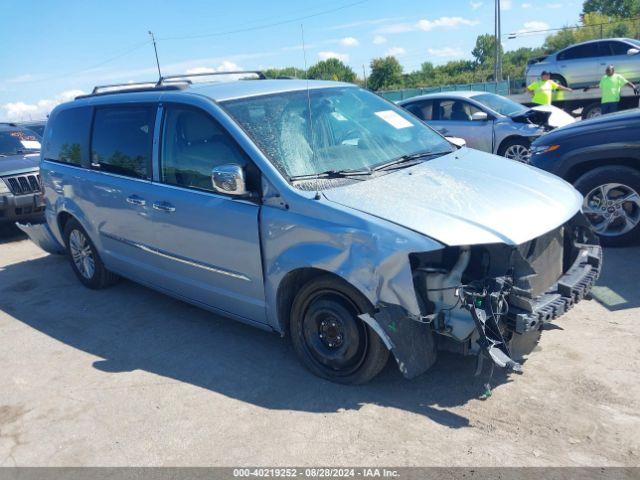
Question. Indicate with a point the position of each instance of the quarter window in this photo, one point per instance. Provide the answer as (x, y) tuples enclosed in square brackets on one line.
[(193, 143), (67, 136), (122, 140)]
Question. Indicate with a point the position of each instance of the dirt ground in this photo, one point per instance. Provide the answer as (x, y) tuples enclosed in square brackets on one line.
[(128, 376)]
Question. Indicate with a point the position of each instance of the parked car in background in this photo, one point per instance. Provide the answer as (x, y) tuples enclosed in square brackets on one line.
[(582, 65), (35, 126), (372, 234), (601, 158), (20, 192), (487, 122)]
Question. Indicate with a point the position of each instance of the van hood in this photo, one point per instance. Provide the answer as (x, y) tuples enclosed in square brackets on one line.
[(14, 164), (465, 198)]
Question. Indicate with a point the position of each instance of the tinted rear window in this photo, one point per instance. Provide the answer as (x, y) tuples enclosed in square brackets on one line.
[(67, 138), (122, 140)]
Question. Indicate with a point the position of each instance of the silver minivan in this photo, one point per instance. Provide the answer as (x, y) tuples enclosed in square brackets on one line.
[(316, 210)]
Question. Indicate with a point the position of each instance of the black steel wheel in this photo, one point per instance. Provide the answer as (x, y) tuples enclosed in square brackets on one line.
[(329, 337)]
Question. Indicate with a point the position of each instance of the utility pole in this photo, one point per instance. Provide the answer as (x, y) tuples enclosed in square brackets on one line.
[(155, 49), (497, 69), (364, 76)]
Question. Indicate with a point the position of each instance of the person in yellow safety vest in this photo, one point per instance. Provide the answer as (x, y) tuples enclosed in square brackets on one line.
[(542, 90), (610, 86)]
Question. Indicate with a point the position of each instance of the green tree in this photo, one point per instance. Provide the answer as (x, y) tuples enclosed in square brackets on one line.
[(612, 8), (332, 69), (385, 73), (284, 72), (485, 50)]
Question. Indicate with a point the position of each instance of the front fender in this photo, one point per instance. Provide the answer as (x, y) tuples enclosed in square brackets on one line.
[(368, 253)]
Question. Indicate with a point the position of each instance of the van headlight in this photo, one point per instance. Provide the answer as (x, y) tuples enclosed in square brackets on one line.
[(3, 187)]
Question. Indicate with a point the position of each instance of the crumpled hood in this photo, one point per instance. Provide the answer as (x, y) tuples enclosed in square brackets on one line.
[(466, 197), (19, 163)]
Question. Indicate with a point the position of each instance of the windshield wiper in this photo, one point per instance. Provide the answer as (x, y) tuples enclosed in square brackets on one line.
[(405, 160), (332, 174)]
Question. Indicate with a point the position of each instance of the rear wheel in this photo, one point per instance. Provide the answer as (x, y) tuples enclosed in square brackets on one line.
[(516, 149), (329, 338), (612, 203), (559, 79), (84, 258), (591, 111)]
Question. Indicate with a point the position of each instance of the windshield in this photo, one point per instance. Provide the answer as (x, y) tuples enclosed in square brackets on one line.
[(353, 130), (499, 104), (15, 142)]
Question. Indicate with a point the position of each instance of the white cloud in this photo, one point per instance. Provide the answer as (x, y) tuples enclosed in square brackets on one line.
[(532, 26), (475, 5), (343, 57), (379, 40), (526, 5), (224, 66), (505, 5), (427, 25), (395, 52), (349, 42), (16, 111), (446, 52)]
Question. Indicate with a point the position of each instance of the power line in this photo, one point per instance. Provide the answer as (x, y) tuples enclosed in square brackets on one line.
[(266, 25)]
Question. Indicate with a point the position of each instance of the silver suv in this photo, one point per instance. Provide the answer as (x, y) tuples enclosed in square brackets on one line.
[(582, 65), (316, 210)]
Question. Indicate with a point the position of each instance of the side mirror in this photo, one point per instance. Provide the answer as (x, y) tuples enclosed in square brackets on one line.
[(229, 180), (633, 51), (457, 141), (479, 117)]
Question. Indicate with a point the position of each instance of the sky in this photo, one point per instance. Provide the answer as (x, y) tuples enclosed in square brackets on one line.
[(54, 50)]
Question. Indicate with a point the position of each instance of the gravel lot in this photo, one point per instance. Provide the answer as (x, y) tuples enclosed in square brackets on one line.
[(127, 376)]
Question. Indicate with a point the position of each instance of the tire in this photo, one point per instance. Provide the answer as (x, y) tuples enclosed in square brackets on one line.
[(329, 338), (84, 258), (592, 110), (559, 79), (617, 222), (516, 149)]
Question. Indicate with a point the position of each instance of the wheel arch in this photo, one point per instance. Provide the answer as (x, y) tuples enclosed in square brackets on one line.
[(580, 168), (293, 282), (506, 140)]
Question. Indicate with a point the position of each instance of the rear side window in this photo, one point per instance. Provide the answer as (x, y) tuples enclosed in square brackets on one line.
[(122, 140), (581, 51), (68, 137), (422, 110)]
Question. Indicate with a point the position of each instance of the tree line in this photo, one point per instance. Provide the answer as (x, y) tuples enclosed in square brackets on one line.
[(599, 19)]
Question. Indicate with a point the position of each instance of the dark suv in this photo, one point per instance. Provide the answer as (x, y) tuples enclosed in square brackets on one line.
[(601, 158), (20, 192)]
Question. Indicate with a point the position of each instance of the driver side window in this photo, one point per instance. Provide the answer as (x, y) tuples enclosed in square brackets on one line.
[(193, 143), (457, 110)]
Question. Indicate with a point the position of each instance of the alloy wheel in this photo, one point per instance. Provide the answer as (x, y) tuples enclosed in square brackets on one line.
[(517, 152), (613, 209), (81, 254)]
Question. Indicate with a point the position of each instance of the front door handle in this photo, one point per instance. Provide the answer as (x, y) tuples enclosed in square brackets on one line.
[(164, 207), (136, 200), (443, 130)]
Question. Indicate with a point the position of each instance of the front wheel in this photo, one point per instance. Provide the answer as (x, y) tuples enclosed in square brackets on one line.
[(329, 338), (592, 110), (612, 203), (516, 149)]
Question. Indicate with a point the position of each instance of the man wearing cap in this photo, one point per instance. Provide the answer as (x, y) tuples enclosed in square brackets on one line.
[(610, 86), (543, 89)]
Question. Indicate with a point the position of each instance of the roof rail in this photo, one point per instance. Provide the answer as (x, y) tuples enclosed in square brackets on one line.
[(170, 82), (186, 76)]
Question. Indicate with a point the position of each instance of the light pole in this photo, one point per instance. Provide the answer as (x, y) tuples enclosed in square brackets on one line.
[(497, 69)]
